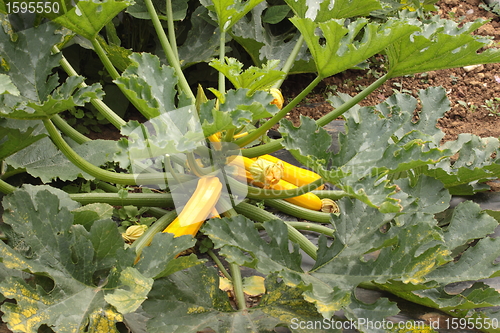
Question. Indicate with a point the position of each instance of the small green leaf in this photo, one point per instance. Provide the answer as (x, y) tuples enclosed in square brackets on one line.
[(151, 84), (229, 11), (6, 86), (276, 14), (253, 78), (88, 214), (138, 287), (166, 247), (87, 17)]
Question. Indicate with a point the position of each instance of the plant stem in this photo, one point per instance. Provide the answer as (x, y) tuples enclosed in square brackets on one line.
[(219, 264), (132, 199), (171, 29), (64, 127), (278, 116), (108, 176), (222, 53), (297, 211), (6, 188), (238, 286), (258, 193), (148, 235), (331, 194), (104, 59), (290, 61), (111, 116), (309, 226), (353, 101), (171, 56)]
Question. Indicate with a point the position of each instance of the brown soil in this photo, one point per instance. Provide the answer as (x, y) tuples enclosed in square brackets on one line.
[(468, 90)]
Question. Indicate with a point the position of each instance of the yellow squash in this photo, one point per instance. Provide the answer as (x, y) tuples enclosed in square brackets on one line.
[(198, 208), (293, 174)]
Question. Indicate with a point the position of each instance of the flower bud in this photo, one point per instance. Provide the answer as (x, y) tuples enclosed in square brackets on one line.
[(134, 232), (278, 97)]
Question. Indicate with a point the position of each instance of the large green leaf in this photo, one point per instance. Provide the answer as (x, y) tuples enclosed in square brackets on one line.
[(66, 96), (43, 159), (202, 40), (190, 301), (378, 141), (37, 83), (13, 140), (439, 44), (151, 84), (75, 272), (88, 17), (407, 254), (37, 94), (337, 46), (321, 11)]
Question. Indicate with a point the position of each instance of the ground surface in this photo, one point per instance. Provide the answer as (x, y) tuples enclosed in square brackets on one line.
[(468, 90)]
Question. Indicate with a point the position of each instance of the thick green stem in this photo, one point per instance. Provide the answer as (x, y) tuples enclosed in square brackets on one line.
[(132, 199), (171, 56), (331, 194), (6, 188), (306, 226), (104, 59), (238, 286), (111, 116), (68, 130), (350, 103), (108, 176), (290, 61), (300, 212), (278, 116)]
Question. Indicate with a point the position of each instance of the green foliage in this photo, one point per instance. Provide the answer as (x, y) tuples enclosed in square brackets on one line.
[(67, 267)]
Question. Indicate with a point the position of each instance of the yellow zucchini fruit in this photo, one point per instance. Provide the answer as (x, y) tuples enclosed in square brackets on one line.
[(198, 207), (293, 174), (307, 200)]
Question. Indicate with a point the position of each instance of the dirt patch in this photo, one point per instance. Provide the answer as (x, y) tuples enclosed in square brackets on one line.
[(472, 91)]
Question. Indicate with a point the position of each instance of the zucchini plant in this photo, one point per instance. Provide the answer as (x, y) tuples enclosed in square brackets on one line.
[(66, 267)]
